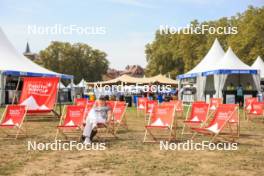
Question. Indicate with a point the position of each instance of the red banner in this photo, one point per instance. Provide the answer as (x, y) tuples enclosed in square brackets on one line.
[(39, 94), (14, 115)]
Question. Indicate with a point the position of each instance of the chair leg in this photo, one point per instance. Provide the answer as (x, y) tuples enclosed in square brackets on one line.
[(194, 135), (144, 140), (17, 133), (182, 131), (57, 133)]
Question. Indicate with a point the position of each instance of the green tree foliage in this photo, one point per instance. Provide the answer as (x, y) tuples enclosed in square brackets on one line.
[(178, 53), (77, 59)]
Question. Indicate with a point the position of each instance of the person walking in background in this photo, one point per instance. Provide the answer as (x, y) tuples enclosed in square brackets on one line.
[(240, 95)]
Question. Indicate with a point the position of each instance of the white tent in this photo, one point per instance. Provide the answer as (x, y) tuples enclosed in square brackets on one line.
[(61, 85), (231, 66), (71, 85), (259, 65), (214, 54), (230, 62), (14, 63), (82, 84)]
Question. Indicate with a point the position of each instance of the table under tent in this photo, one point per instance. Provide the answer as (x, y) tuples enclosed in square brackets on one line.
[(14, 66)]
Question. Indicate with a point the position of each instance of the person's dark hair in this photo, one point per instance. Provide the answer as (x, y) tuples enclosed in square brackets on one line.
[(102, 98)]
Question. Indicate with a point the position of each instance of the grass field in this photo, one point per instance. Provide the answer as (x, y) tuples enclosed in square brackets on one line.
[(127, 155)]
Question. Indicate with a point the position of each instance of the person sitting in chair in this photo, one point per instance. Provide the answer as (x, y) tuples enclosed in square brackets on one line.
[(99, 114)]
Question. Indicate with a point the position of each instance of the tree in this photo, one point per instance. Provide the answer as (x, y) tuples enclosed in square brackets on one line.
[(178, 53), (79, 60)]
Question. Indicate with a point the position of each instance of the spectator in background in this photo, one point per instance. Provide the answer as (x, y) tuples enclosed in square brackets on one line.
[(240, 95)]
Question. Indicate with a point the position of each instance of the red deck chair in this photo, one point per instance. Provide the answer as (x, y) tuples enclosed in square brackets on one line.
[(86, 103), (221, 120), (214, 103), (111, 105), (168, 103), (234, 121), (197, 116), (119, 118), (109, 126), (161, 120), (121, 103), (149, 107), (248, 105), (256, 111), (141, 104), (71, 122), (12, 120), (80, 101), (179, 107)]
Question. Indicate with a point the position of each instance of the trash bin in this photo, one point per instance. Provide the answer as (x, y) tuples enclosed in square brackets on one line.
[(135, 100), (160, 98)]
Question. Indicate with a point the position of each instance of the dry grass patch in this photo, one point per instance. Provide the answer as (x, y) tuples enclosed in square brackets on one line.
[(129, 156)]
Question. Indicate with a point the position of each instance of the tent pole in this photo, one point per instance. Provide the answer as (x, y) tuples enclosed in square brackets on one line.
[(239, 81), (18, 82), (59, 97), (72, 91), (2, 87), (218, 93), (179, 88), (5, 89)]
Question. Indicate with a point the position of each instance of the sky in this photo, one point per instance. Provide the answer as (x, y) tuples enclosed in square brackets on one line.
[(127, 25)]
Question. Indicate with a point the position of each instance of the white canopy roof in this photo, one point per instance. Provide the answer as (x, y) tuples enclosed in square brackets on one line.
[(230, 61), (259, 65), (82, 83), (14, 63), (71, 85), (134, 80), (61, 85), (228, 64), (214, 54)]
